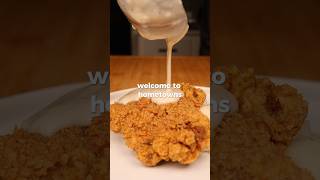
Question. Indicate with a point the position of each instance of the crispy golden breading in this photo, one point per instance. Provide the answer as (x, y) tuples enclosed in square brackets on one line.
[(176, 132), (71, 153), (280, 107), (251, 144), (242, 149)]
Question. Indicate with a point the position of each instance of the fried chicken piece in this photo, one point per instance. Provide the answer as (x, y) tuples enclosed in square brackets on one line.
[(176, 132), (281, 107), (71, 153), (252, 143), (80, 152), (196, 96), (242, 150)]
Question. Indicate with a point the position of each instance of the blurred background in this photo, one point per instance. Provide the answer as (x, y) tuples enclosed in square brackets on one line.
[(45, 44), (50, 43), (125, 41), (277, 38)]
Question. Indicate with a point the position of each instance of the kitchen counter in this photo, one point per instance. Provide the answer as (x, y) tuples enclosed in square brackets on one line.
[(127, 71)]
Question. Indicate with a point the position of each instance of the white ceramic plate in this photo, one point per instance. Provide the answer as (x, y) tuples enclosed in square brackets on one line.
[(123, 160), (125, 165)]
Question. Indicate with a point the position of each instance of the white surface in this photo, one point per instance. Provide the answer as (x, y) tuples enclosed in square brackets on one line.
[(72, 109), (15, 109), (305, 151), (125, 165)]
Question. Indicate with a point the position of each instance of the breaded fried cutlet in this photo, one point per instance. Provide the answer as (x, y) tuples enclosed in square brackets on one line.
[(71, 153), (280, 107), (176, 132), (251, 144)]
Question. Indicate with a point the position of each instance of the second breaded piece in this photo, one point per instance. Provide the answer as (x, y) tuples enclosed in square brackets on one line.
[(280, 107)]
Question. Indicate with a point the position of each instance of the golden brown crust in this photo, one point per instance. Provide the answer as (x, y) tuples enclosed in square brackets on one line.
[(280, 107), (242, 150), (71, 153), (195, 95), (251, 143), (175, 132)]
